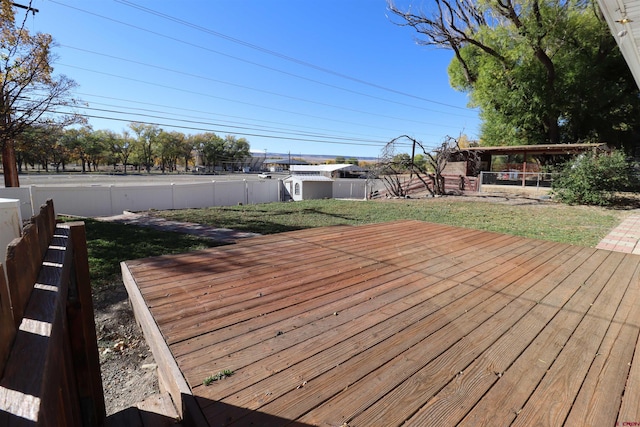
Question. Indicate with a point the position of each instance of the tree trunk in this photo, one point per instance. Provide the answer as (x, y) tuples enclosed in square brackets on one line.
[(9, 165)]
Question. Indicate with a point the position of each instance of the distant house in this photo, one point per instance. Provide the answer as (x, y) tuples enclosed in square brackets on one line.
[(279, 165), (308, 187)]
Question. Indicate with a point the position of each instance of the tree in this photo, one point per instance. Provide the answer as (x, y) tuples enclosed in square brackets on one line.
[(427, 167), (540, 71), (77, 141), (97, 148), (211, 147), (147, 141), (238, 150), (186, 151), (595, 178), (170, 148), (29, 92)]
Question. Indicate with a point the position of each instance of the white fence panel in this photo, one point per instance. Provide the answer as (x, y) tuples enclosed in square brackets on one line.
[(229, 193), (349, 189), (141, 198), (105, 200), (24, 195), (262, 191), (193, 195), (10, 225), (81, 201)]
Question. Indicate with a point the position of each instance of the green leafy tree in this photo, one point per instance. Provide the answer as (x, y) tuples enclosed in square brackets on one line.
[(76, 142), (238, 150), (540, 71), (29, 92), (213, 149), (186, 151), (97, 148), (594, 179), (146, 143), (170, 148)]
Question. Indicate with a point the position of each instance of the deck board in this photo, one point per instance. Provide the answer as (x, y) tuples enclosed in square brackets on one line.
[(402, 323)]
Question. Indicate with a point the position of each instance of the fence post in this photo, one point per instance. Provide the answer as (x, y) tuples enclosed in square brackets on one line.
[(173, 197), (111, 207), (7, 325)]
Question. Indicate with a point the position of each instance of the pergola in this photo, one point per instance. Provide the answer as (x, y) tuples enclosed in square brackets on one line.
[(486, 153)]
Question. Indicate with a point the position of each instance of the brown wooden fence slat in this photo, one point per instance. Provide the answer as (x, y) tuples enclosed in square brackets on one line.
[(32, 393), (49, 364), (82, 332), (45, 222), (23, 265), (7, 325)]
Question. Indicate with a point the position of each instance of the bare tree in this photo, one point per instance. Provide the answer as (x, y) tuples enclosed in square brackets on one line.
[(392, 169)]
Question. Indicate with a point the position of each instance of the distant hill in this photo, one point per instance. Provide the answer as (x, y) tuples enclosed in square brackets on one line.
[(311, 158)]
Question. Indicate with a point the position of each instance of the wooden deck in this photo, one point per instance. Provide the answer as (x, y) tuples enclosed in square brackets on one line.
[(404, 322)]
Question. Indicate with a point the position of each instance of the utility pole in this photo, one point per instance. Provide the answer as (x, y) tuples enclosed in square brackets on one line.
[(9, 164), (28, 8)]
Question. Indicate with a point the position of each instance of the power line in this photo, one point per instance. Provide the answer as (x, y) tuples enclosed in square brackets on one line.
[(253, 62), (205, 112), (202, 129), (280, 55), (158, 67), (234, 128), (241, 102)]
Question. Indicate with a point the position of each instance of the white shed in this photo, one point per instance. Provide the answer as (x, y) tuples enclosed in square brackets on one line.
[(307, 187)]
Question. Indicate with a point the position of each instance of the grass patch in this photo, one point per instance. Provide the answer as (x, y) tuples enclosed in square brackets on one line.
[(577, 225), (110, 243), (217, 377)]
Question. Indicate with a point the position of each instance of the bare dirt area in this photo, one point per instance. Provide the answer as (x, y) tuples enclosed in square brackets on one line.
[(127, 365)]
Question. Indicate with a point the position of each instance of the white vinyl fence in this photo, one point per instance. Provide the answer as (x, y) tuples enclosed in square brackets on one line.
[(350, 189), (105, 200)]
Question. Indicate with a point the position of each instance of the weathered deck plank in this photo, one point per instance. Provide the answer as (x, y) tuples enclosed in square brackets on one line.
[(405, 322)]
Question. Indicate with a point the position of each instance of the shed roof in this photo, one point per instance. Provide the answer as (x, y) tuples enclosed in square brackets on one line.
[(539, 149), (326, 168), (317, 178)]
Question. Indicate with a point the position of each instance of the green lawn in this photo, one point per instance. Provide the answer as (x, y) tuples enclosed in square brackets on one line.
[(110, 243), (568, 224)]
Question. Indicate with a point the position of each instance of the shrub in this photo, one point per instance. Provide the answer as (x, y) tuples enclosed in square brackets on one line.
[(594, 179)]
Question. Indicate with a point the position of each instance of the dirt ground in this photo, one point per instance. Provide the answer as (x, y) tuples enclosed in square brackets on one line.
[(126, 363)]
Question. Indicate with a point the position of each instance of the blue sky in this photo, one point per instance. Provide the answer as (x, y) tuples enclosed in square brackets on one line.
[(328, 77)]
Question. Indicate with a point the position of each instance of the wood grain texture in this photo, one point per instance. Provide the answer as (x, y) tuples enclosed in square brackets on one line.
[(403, 323)]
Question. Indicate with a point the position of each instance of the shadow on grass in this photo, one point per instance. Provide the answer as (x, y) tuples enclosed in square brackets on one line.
[(262, 220), (110, 243)]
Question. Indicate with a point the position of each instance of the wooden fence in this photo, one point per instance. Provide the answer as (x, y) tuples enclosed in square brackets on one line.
[(453, 184), (49, 366)]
